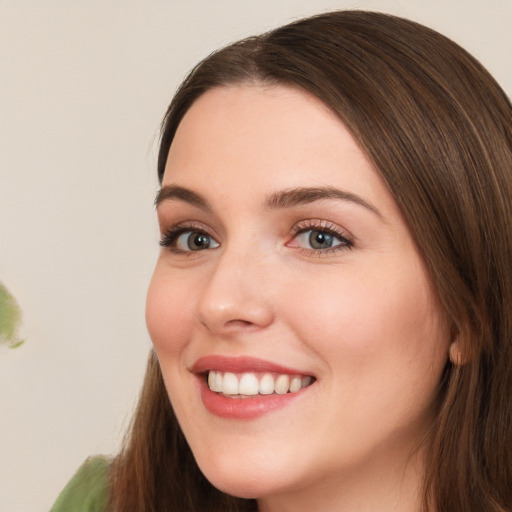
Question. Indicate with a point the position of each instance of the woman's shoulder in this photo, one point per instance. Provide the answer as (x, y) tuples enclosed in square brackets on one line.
[(87, 491)]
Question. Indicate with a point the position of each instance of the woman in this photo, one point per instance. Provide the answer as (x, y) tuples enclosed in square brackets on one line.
[(330, 311)]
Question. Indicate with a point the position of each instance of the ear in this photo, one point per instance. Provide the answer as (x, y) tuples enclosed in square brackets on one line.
[(460, 351), (456, 353)]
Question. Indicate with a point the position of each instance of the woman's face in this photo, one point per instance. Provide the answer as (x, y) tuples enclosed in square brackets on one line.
[(286, 261)]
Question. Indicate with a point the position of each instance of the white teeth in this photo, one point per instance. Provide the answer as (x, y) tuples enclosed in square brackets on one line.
[(295, 384), (267, 384), (215, 381), (282, 384), (250, 384), (230, 384), (211, 380), (218, 382)]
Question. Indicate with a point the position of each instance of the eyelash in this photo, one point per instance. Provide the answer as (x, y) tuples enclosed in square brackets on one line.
[(170, 237), (321, 226)]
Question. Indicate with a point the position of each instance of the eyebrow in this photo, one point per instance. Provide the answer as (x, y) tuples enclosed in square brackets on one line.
[(305, 195), (282, 199), (182, 194)]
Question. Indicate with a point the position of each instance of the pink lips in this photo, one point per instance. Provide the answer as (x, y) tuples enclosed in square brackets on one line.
[(239, 365), (241, 408)]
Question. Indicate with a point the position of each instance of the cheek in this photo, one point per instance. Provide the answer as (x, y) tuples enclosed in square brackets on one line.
[(168, 314), (381, 321)]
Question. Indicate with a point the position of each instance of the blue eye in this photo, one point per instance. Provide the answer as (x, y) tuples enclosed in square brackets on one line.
[(319, 239), (188, 240), (193, 241)]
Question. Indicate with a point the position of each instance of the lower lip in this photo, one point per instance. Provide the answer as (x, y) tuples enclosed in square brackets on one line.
[(244, 408)]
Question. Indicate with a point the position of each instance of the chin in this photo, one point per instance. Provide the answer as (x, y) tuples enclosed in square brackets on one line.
[(243, 479), (248, 488)]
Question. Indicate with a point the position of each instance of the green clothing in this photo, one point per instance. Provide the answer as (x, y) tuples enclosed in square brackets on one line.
[(87, 491)]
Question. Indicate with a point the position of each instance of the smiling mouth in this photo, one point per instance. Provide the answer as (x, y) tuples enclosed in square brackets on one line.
[(250, 384), (246, 388)]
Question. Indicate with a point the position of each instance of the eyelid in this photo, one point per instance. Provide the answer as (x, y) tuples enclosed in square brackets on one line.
[(170, 235), (306, 225)]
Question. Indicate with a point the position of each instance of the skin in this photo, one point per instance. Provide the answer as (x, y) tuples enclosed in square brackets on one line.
[(362, 318)]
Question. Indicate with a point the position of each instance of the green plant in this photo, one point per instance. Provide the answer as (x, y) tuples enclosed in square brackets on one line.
[(10, 319)]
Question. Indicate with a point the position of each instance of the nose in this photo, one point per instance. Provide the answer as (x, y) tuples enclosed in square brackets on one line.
[(236, 296)]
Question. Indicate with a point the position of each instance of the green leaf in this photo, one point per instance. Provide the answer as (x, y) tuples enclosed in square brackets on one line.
[(10, 319)]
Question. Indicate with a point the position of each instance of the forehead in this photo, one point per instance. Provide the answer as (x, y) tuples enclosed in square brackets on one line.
[(253, 138)]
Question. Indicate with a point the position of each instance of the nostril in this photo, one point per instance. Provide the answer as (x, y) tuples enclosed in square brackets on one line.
[(239, 323)]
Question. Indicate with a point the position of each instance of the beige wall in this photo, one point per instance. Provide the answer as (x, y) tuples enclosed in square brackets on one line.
[(83, 87)]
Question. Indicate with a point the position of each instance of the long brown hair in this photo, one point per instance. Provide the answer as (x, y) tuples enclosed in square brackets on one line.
[(438, 128)]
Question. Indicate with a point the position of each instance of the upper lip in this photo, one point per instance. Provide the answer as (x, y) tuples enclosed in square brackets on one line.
[(241, 365)]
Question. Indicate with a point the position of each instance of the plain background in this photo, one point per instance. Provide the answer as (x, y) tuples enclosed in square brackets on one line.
[(83, 86)]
